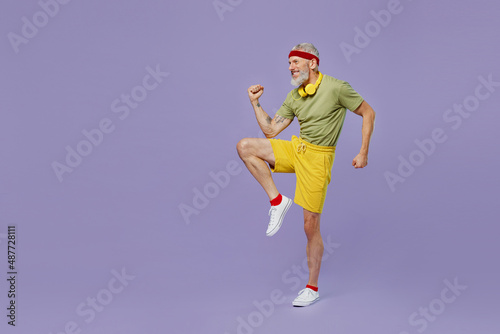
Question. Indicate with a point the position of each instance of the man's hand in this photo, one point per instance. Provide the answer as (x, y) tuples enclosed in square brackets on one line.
[(360, 161), (254, 92)]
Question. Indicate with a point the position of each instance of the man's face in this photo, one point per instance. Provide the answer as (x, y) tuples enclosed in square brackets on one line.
[(299, 69)]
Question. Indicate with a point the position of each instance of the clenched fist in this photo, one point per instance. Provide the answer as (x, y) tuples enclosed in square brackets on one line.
[(360, 161), (254, 92)]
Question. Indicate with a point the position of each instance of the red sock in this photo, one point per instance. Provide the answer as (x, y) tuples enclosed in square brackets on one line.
[(277, 200), (314, 288)]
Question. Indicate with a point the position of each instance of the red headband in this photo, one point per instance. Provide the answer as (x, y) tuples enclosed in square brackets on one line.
[(303, 54)]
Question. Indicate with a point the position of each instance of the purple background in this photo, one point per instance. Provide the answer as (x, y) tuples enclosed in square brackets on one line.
[(120, 208)]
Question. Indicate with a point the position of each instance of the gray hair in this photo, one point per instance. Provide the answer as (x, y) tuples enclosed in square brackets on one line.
[(309, 48)]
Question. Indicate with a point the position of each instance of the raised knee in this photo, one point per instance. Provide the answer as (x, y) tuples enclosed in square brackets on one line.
[(243, 146)]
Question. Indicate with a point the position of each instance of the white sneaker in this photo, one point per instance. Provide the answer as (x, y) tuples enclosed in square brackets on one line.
[(306, 297), (277, 213)]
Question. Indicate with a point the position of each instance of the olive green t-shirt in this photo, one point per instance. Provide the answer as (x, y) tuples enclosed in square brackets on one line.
[(321, 116)]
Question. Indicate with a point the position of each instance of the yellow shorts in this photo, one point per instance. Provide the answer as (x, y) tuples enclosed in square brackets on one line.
[(312, 164)]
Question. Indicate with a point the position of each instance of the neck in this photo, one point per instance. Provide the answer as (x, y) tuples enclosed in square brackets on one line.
[(313, 77)]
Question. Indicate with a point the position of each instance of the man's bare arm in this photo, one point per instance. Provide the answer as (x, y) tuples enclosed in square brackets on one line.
[(368, 114), (271, 127)]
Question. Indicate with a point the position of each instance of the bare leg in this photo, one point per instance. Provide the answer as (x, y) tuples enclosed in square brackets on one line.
[(314, 245), (255, 152)]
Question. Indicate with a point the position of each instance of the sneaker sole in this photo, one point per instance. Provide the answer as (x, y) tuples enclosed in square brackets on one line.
[(276, 229), (303, 304)]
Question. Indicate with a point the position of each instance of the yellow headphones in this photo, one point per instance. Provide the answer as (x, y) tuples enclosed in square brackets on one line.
[(310, 88)]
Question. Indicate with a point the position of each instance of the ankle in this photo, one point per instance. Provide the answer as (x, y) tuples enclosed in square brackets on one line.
[(312, 287), (277, 200)]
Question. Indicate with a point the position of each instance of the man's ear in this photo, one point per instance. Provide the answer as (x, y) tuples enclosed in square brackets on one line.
[(312, 63)]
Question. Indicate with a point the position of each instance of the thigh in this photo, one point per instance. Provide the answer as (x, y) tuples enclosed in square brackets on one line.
[(311, 216), (261, 148)]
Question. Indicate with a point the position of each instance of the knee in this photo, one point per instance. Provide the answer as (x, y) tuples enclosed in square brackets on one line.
[(311, 226), (243, 147)]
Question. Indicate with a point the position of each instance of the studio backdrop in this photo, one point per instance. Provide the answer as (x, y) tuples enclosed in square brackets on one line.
[(125, 208)]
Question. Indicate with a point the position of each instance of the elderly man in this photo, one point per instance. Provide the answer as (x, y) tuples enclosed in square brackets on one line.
[(319, 103)]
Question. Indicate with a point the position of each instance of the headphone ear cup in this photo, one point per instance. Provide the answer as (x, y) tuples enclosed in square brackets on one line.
[(301, 92), (310, 89)]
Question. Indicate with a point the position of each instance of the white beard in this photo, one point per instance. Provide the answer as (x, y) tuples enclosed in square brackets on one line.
[(303, 76)]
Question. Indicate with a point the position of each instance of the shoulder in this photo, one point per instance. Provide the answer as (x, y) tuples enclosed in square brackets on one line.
[(340, 86), (329, 80), (292, 96)]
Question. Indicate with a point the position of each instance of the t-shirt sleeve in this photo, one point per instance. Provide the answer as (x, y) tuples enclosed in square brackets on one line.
[(285, 110), (349, 98)]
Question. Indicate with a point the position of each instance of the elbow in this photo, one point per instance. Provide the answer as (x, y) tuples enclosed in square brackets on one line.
[(270, 133), (369, 113)]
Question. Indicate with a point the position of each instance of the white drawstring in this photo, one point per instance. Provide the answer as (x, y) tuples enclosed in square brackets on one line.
[(301, 148)]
